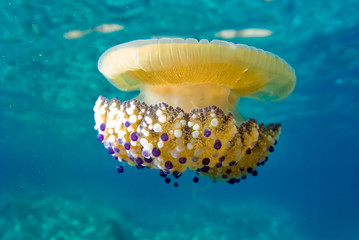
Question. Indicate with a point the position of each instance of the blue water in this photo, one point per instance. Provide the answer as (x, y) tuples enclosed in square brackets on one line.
[(58, 182)]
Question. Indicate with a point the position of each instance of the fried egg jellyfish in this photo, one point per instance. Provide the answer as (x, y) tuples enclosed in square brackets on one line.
[(186, 117)]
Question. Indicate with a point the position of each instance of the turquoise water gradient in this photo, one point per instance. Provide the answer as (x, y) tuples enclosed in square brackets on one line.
[(58, 182)]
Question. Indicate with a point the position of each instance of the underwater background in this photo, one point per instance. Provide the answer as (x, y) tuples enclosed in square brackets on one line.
[(58, 182)]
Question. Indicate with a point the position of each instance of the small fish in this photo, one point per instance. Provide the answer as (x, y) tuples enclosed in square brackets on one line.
[(104, 28)]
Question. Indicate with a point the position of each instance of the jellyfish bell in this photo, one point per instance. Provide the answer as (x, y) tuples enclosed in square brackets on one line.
[(185, 117), (191, 74)]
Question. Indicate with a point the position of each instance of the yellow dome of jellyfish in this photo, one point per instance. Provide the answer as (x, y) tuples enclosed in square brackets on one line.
[(185, 117)]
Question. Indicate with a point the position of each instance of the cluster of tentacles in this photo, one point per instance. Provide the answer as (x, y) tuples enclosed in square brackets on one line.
[(172, 141)]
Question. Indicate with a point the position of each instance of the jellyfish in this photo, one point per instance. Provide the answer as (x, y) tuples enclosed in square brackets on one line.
[(185, 117)]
